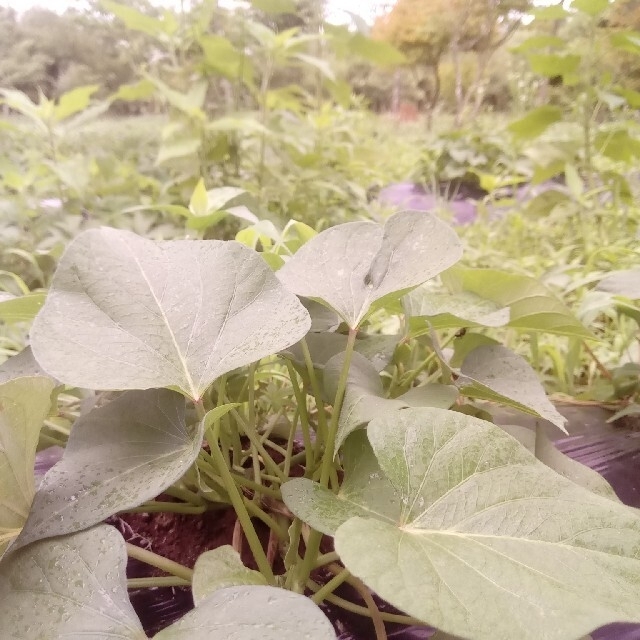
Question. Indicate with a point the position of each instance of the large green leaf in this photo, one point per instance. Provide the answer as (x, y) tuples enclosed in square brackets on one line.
[(493, 372), (20, 308), (532, 306), (351, 266), (365, 398), (24, 404), (487, 542), (221, 568), (117, 456), (252, 613), (70, 587), (124, 312)]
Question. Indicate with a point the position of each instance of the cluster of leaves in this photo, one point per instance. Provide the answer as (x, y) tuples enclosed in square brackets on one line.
[(465, 528)]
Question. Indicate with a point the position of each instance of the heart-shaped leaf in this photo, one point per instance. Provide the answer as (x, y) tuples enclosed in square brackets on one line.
[(487, 541), (24, 404), (117, 456), (365, 398), (351, 266), (70, 587), (124, 312), (495, 373), (219, 569)]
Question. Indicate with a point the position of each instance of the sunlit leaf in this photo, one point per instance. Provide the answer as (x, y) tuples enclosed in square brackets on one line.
[(24, 404), (536, 122), (124, 312)]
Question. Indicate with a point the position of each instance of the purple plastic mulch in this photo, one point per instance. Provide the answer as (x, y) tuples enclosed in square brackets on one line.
[(612, 452)]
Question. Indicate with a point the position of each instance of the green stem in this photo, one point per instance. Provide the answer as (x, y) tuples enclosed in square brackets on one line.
[(169, 566), (363, 611), (330, 444), (304, 420), (317, 394), (250, 432), (151, 583), (186, 495), (257, 512), (326, 558), (157, 506), (331, 586), (239, 506)]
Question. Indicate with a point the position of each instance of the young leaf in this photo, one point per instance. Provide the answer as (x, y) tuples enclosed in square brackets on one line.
[(73, 101), (69, 587), (251, 613), (219, 569), (24, 404), (117, 456), (489, 542), (124, 312), (352, 265), (536, 122), (364, 397), (199, 203), (364, 491)]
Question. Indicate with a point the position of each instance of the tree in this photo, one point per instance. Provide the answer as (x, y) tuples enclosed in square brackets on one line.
[(426, 31)]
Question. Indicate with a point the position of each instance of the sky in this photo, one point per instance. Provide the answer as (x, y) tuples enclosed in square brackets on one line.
[(365, 8)]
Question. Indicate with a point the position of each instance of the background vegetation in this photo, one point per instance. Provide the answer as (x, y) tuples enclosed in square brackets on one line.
[(124, 113)]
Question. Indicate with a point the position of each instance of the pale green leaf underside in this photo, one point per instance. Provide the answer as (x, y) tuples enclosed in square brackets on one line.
[(489, 542), (117, 457), (124, 312), (24, 404), (460, 309), (501, 375), (73, 587), (22, 365), (221, 568), (352, 265)]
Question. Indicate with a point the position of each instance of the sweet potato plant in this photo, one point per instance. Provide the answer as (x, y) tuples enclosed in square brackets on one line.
[(294, 397)]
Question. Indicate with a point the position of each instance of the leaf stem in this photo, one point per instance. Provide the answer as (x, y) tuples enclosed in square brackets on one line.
[(330, 445), (148, 557), (151, 583), (331, 586), (239, 505)]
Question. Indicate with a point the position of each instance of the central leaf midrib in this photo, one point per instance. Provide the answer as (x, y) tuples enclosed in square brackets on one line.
[(192, 390)]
